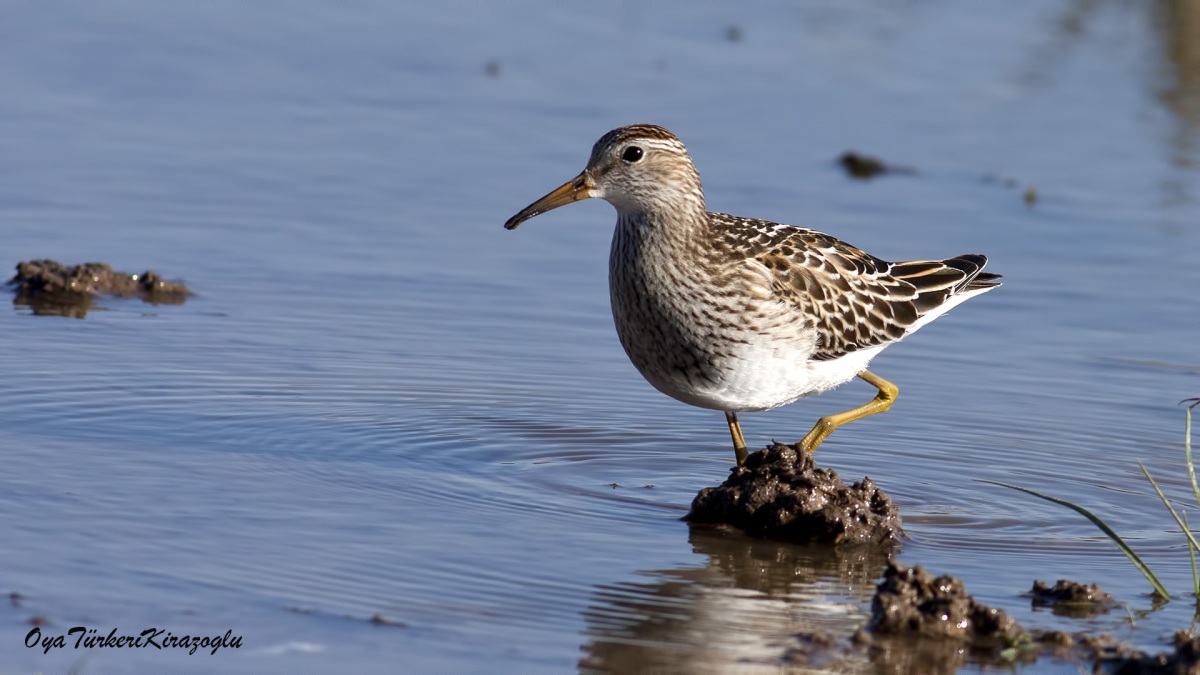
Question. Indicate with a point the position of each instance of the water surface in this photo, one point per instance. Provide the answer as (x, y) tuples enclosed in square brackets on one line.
[(380, 404)]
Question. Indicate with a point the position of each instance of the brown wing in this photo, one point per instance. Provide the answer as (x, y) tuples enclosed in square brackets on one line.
[(853, 299)]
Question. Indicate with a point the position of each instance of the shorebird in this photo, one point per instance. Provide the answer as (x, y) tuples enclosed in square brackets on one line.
[(739, 314)]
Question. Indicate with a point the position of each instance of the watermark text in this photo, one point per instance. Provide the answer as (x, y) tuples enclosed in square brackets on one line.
[(82, 637)]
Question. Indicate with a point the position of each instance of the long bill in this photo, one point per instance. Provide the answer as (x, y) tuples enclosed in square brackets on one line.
[(579, 187)]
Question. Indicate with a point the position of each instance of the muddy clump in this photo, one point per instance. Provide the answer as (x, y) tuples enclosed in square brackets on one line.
[(911, 601), (780, 493), (50, 287), (865, 167), (1122, 660), (926, 624), (1071, 599)]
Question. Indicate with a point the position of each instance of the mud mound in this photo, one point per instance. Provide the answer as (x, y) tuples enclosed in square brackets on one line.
[(50, 287), (911, 601), (1071, 598), (779, 493)]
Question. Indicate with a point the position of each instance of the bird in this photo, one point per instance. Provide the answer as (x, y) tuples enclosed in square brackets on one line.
[(740, 314)]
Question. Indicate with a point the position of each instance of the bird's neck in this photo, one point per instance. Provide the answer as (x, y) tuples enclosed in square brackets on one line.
[(676, 204), (655, 244), (679, 225)]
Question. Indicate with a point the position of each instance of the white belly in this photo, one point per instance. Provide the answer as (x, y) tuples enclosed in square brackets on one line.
[(762, 377)]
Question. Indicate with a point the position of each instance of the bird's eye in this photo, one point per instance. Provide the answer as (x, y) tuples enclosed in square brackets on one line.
[(632, 154)]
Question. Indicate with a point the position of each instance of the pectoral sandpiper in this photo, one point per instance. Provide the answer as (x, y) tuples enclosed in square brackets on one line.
[(738, 314)]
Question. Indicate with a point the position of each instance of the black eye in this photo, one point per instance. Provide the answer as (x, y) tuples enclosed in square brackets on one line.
[(632, 154)]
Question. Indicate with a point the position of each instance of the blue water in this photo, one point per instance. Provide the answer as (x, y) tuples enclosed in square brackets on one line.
[(381, 404)]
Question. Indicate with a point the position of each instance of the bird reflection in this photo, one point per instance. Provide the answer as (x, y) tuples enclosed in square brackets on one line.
[(745, 606)]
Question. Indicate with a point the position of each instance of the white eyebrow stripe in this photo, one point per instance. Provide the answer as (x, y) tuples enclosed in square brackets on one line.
[(658, 143)]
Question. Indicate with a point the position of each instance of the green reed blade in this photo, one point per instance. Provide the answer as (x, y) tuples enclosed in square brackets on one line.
[(1187, 445), (1159, 589), (1192, 556), (1166, 503)]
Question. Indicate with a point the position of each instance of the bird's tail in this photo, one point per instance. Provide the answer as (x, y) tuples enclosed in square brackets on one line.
[(942, 284)]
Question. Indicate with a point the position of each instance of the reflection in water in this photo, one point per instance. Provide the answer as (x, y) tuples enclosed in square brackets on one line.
[(757, 605), (1177, 24), (1179, 21), (745, 606), (42, 307), (76, 308)]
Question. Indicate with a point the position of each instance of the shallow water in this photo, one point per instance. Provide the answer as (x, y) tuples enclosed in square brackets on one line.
[(382, 404)]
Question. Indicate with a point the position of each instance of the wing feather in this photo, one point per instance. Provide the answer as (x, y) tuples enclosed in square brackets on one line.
[(851, 298)]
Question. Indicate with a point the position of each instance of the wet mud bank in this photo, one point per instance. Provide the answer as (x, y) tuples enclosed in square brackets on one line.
[(51, 287), (930, 624), (919, 622)]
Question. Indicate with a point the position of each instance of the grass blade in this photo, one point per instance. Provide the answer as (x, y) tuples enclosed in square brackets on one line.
[(1187, 444), (1178, 520), (1192, 555), (1159, 589)]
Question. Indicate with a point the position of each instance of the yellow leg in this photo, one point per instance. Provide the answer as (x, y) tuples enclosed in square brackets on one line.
[(825, 426), (739, 441)]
